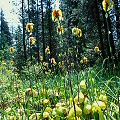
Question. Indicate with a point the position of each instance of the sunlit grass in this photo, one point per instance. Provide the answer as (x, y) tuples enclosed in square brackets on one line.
[(34, 95)]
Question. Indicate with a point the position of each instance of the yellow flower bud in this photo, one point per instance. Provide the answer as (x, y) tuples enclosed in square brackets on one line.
[(12, 118), (83, 84), (85, 59), (12, 62), (35, 116), (72, 112), (101, 104), (11, 49), (87, 109), (41, 58), (47, 50), (98, 106), (31, 92), (60, 29), (77, 31), (32, 40), (86, 101), (29, 27), (96, 49), (79, 99), (103, 98), (46, 101), (81, 61), (57, 15), (70, 101), (72, 64), (107, 5), (35, 93), (46, 115), (48, 109), (61, 111)]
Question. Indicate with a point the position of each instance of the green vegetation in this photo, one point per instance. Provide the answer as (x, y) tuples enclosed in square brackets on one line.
[(61, 64), (35, 95)]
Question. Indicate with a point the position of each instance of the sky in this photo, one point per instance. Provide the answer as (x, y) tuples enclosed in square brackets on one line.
[(10, 12)]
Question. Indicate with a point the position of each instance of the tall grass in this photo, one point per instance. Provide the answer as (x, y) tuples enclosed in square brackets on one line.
[(34, 95)]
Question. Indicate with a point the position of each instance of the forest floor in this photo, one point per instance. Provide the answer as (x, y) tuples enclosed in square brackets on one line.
[(90, 94)]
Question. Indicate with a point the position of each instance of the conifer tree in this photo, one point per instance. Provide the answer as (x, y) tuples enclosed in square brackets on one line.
[(5, 38)]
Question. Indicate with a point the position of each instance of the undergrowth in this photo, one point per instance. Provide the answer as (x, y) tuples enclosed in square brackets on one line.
[(92, 93)]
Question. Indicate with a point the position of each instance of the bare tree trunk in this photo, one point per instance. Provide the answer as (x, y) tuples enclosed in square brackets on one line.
[(117, 13), (111, 37), (28, 11), (106, 43), (49, 24), (99, 29), (23, 24), (43, 38), (30, 18), (37, 38)]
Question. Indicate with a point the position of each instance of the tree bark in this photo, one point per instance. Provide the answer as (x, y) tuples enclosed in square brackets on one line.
[(23, 24), (37, 38), (111, 37), (43, 37), (106, 36), (117, 14), (49, 24), (99, 29)]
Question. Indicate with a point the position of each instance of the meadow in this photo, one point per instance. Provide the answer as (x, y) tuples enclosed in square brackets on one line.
[(66, 73), (88, 94)]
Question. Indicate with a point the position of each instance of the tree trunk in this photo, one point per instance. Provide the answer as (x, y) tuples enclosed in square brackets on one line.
[(37, 38), (99, 29), (111, 38), (117, 13), (106, 37), (49, 24), (43, 37), (23, 24)]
